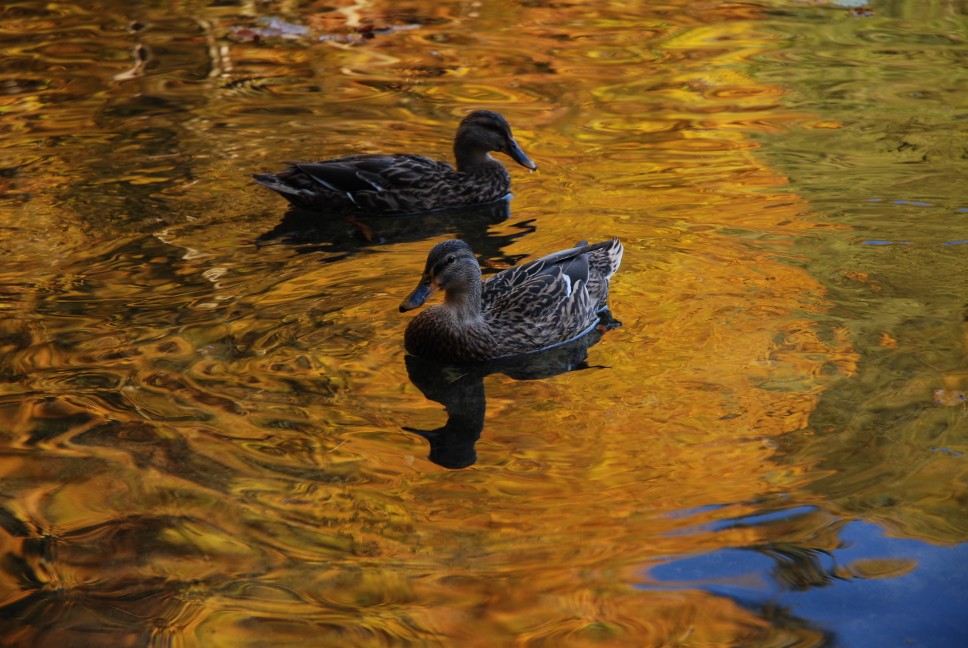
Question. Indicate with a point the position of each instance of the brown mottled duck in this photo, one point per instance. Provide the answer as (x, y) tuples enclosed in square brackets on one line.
[(526, 308), (402, 183)]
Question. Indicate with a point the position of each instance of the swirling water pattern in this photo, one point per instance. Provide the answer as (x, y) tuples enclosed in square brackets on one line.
[(204, 431)]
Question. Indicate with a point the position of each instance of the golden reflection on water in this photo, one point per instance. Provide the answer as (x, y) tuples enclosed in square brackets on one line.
[(204, 437)]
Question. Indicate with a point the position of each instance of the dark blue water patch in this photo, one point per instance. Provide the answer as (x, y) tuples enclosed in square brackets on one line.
[(914, 203), (763, 518), (885, 242), (921, 606), (733, 522), (736, 573), (947, 451), (778, 515), (698, 510), (901, 201)]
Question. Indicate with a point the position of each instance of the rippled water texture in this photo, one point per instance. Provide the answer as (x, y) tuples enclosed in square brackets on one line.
[(209, 434)]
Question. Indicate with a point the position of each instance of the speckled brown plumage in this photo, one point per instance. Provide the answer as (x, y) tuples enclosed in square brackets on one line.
[(403, 183), (522, 309)]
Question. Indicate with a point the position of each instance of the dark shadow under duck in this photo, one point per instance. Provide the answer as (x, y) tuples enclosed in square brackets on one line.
[(460, 389), (402, 183), (526, 308), (335, 239)]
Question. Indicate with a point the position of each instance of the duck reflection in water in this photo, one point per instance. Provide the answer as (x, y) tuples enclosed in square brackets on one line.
[(341, 239), (460, 389), (506, 324)]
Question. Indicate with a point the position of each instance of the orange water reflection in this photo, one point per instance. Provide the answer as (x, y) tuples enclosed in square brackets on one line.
[(204, 438)]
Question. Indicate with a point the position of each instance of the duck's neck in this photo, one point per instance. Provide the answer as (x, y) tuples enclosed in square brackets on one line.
[(472, 159), (464, 302)]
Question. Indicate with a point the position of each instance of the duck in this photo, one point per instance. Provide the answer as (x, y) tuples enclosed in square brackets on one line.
[(526, 308), (403, 183)]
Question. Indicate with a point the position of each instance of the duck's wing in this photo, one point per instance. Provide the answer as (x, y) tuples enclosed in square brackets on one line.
[(535, 290), (543, 306), (603, 262), (373, 172), (575, 264), (568, 279)]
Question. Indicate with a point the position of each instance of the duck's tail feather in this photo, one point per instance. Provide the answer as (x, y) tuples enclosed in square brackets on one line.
[(270, 181)]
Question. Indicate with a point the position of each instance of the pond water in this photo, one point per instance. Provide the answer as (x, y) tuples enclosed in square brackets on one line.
[(209, 432)]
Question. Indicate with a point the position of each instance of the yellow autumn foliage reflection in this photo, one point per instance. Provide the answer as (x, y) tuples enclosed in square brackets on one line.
[(206, 417)]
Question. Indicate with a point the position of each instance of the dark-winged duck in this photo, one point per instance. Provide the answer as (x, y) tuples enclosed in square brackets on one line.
[(380, 185), (526, 308)]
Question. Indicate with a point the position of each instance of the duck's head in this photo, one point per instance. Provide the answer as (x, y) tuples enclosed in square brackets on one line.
[(451, 267), (484, 131)]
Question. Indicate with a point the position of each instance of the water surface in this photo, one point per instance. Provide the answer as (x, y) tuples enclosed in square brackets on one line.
[(208, 433)]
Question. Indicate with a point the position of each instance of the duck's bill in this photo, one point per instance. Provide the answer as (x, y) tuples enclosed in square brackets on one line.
[(424, 289), (518, 155)]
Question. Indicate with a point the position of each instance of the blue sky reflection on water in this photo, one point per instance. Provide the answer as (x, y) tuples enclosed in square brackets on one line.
[(924, 607), (210, 425)]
